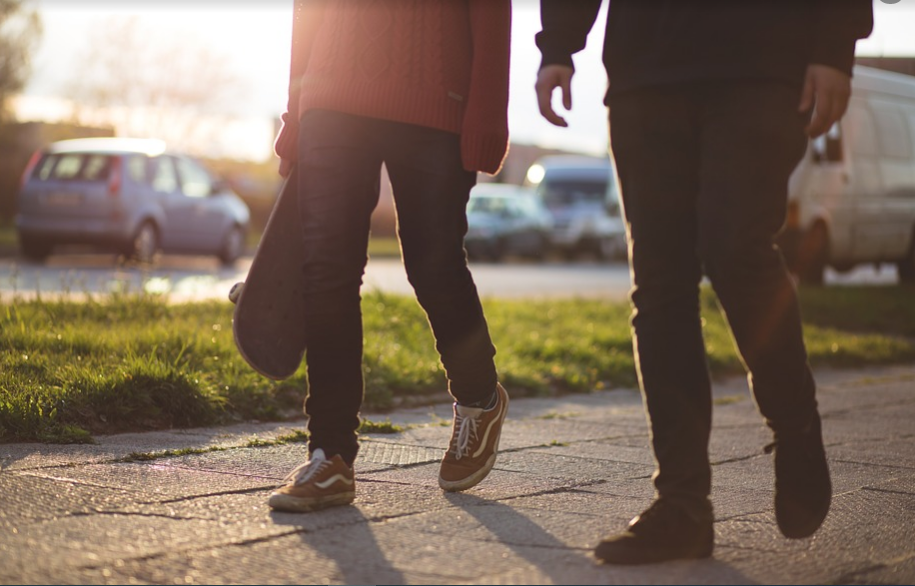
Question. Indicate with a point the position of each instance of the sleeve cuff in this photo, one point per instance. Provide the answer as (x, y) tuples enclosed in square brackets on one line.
[(286, 145), (836, 54)]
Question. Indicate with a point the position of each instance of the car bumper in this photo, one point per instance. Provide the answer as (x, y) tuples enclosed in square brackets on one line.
[(62, 232)]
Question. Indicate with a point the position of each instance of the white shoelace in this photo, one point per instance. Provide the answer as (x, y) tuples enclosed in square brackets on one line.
[(467, 432), (303, 473)]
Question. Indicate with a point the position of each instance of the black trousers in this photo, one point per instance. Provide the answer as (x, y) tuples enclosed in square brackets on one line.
[(704, 171), (339, 160)]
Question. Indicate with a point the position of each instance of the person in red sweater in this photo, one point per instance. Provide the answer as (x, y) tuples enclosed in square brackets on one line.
[(421, 87)]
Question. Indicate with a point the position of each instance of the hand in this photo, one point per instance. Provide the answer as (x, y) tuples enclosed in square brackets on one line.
[(285, 168), (548, 79), (828, 89)]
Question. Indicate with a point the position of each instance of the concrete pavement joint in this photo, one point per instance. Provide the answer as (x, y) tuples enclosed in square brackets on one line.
[(886, 491), (115, 513), (872, 464), (183, 499)]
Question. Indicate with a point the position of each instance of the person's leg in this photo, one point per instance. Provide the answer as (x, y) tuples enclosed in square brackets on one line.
[(431, 190), (338, 178), (753, 138), (655, 145), (655, 140), (338, 189)]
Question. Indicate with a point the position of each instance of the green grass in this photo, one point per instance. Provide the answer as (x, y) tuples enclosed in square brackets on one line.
[(69, 370), (384, 246)]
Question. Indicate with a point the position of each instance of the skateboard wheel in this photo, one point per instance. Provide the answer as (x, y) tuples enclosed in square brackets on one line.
[(235, 292)]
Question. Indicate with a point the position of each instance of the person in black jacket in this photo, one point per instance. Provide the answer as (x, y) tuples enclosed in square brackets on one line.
[(711, 104)]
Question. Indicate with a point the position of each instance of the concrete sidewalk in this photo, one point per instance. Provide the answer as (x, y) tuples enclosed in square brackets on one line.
[(571, 470)]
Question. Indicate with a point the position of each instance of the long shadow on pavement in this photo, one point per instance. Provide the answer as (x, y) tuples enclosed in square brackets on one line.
[(577, 567), (351, 545)]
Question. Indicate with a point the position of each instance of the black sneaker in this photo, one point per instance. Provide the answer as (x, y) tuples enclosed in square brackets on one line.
[(803, 490), (665, 531)]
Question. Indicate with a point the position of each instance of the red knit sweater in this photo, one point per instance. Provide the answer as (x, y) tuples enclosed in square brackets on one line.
[(437, 63)]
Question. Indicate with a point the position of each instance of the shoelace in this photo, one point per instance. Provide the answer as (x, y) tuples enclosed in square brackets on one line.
[(467, 431), (302, 473)]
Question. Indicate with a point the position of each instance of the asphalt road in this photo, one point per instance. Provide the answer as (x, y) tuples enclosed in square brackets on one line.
[(192, 278)]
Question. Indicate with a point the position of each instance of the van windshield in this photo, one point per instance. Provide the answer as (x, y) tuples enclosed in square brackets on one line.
[(568, 192)]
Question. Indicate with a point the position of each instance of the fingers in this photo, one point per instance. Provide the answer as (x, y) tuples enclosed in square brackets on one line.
[(285, 167), (549, 78), (806, 95), (826, 113), (827, 91), (566, 86)]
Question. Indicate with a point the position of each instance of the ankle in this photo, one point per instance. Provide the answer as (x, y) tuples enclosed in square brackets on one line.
[(486, 403)]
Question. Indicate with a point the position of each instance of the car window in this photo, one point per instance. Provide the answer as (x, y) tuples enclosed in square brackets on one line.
[(162, 172), (571, 192), (95, 168), (73, 167), (486, 205), (195, 181), (136, 168), (528, 205), (67, 167)]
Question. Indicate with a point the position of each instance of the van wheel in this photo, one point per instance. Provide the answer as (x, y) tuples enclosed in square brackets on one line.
[(906, 267), (813, 255), (145, 243)]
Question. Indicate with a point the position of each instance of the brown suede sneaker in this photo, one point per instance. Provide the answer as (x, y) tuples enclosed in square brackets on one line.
[(474, 443), (316, 484)]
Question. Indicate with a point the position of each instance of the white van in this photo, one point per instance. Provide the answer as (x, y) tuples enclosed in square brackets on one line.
[(582, 196), (852, 198)]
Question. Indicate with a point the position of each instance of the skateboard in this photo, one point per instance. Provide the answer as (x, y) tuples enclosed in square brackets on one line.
[(268, 323)]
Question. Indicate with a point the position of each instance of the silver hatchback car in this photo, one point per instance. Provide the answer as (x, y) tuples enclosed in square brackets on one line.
[(131, 196)]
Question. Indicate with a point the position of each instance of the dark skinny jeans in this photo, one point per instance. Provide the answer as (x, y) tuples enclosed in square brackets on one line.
[(704, 171), (339, 162)]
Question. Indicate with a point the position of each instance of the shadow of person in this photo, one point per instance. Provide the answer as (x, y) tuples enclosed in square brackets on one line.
[(528, 539), (575, 565), (344, 536)]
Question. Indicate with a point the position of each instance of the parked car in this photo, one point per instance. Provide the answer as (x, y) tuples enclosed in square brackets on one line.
[(506, 220), (582, 195), (131, 196), (852, 197)]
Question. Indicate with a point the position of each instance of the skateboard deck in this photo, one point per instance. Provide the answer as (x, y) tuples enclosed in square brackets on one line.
[(268, 324)]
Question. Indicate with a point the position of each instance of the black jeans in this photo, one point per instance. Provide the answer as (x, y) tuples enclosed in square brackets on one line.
[(704, 174), (339, 161)]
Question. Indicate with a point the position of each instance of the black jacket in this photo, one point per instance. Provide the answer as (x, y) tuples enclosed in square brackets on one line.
[(652, 42)]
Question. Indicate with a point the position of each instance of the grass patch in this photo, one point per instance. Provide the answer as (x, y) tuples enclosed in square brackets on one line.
[(125, 363), (384, 247), (367, 426)]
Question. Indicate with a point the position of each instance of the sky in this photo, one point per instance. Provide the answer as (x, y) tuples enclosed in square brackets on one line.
[(254, 35)]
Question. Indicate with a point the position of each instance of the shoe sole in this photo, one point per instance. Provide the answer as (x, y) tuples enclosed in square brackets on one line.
[(478, 476), (634, 557), (787, 515), (472, 480), (291, 504)]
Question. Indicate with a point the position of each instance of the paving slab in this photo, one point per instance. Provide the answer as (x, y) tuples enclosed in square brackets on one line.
[(572, 470)]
